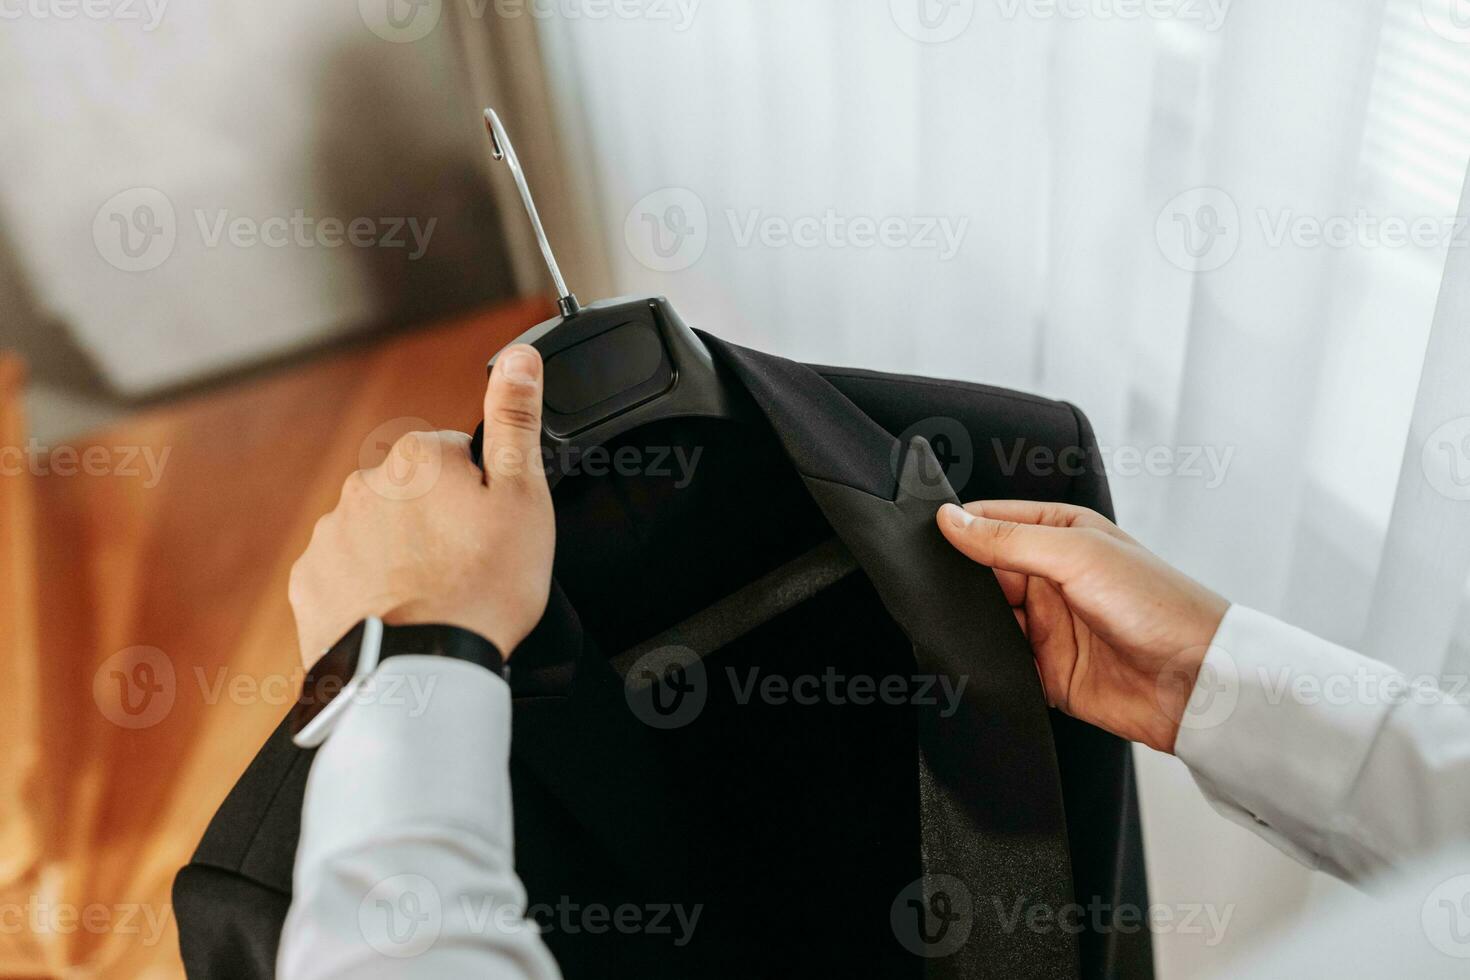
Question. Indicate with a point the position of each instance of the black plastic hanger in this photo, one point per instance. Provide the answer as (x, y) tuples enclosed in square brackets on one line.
[(615, 364)]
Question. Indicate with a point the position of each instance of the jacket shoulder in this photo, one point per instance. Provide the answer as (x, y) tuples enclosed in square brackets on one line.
[(995, 442), (254, 832)]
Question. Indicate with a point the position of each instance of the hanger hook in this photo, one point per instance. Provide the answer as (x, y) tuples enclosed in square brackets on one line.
[(501, 149)]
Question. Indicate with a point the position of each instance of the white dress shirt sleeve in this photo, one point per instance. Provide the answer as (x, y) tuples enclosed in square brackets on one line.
[(1340, 761), (405, 864)]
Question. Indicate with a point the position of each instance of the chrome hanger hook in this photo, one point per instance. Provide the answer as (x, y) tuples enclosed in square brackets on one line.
[(500, 149)]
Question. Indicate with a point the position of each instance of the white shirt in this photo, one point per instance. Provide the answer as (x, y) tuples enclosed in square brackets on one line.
[(1338, 760), (405, 864)]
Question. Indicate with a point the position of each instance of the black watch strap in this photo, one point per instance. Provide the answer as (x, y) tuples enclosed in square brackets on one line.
[(341, 665), (442, 640)]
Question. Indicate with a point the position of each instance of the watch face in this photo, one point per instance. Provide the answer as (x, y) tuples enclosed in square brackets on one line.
[(325, 680)]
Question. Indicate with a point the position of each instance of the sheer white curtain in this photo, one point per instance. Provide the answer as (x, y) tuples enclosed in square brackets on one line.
[(1220, 229)]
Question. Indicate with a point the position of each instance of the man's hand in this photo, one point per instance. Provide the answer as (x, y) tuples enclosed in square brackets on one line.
[(471, 550), (1118, 634)]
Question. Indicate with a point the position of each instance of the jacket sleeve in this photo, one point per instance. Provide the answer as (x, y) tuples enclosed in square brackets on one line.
[(405, 862), (241, 943), (1338, 760)]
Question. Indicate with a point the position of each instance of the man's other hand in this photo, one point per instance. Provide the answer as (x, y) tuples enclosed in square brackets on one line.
[(1119, 635)]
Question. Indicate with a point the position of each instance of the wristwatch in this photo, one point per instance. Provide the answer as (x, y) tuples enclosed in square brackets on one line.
[(341, 673)]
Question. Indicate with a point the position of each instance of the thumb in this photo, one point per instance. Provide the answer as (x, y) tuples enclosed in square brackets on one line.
[(513, 420), (1031, 549)]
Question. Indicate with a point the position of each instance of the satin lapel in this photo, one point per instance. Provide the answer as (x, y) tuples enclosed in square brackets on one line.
[(994, 832)]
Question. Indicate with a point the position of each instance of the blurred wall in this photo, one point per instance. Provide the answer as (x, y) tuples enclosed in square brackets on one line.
[(189, 188)]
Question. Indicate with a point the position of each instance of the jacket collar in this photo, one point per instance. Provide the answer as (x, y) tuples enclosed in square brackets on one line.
[(826, 436)]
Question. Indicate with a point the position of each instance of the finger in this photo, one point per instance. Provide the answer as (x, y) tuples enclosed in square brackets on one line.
[(454, 450), (1013, 584), (1033, 549), (454, 439), (413, 467), (513, 420), (1053, 639), (1042, 512)]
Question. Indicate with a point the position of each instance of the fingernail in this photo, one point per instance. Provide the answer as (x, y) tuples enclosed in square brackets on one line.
[(956, 515), (522, 367)]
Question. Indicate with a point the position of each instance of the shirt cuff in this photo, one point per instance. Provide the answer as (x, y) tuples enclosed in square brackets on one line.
[(1273, 735), (421, 745)]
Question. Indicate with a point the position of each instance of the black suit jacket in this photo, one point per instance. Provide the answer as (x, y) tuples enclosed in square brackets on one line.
[(925, 833)]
